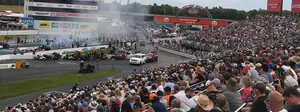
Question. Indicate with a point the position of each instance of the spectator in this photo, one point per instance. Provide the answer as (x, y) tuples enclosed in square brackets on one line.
[(268, 74), (204, 104), (168, 93), (252, 72), (177, 104), (160, 96), (220, 86), (217, 98), (139, 105), (259, 102), (275, 102), (127, 105), (292, 97), (114, 107), (156, 105), (269, 86), (290, 81), (246, 84), (233, 97)]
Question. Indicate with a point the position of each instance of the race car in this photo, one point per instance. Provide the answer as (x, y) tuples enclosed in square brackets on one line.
[(142, 43), (52, 56), (151, 57), (39, 57), (49, 56), (138, 59)]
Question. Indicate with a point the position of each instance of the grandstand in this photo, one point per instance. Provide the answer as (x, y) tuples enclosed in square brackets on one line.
[(62, 16)]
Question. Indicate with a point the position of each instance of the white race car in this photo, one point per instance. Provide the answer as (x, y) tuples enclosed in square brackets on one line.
[(138, 59)]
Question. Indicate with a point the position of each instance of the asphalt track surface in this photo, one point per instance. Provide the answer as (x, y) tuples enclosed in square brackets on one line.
[(50, 68)]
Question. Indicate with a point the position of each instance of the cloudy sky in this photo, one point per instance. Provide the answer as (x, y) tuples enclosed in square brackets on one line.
[(236, 4)]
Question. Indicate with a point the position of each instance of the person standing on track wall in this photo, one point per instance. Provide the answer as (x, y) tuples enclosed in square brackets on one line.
[(81, 64)]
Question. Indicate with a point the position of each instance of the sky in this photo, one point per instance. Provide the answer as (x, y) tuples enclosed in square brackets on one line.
[(235, 4)]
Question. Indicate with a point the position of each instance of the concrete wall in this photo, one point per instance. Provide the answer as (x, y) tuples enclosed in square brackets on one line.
[(30, 55), (177, 53), (19, 32), (174, 38)]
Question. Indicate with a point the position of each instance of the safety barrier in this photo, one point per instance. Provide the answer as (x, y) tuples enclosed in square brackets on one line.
[(176, 53), (7, 66), (19, 32), (174, 38), (30, 55)]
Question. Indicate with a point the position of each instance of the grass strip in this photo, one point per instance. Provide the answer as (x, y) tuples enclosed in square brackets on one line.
[(18, 88)]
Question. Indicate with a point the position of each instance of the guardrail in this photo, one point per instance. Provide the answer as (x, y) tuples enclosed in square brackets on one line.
[(19, 32), (30, 55), (176, 52), (174, 38), (237, 110)]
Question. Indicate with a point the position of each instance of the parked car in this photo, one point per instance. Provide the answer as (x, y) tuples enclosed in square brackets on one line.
[(138, 59), (151, 57)]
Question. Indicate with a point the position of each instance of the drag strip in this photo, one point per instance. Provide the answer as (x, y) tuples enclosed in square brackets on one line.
[(51, 67)]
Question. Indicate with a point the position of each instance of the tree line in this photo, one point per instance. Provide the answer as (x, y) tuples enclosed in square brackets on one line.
[(165, 9)]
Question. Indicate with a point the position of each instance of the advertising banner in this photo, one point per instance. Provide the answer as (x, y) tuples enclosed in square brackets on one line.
[(83, 26), (39, 13), (274, 5), (45, 24), (295, 6), (64, 25), (9, 18), (175, 20), (73, 15), (63, 14), (28, 21), (66, 6)]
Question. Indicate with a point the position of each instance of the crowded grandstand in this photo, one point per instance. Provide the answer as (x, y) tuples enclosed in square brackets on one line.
[(251, 65)]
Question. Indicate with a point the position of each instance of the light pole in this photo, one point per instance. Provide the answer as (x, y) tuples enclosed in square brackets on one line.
[(164, 12)]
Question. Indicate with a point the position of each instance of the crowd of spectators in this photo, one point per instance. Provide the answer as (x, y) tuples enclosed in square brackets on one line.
[(271, 31), (260, 79)]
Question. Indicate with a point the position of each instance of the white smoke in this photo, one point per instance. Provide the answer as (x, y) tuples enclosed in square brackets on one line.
[(115, 22), (111, 24)]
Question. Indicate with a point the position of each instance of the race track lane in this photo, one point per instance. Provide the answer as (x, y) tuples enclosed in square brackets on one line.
[(50, 68)]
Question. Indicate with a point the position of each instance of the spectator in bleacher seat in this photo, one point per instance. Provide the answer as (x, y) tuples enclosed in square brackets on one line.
[(160, 95), (144, 94), (176, 105), (219, 100), (246, 84), (269, 86), (233, 97), (168, 93), (265, 68), (204, 104), (292, 97), (170, 83), (114, 106), (289, 80), (259, 104), (275, 102), (220, 86), (252, 72), (288, 70), (127, 105), (258, 68), (156, 105)]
